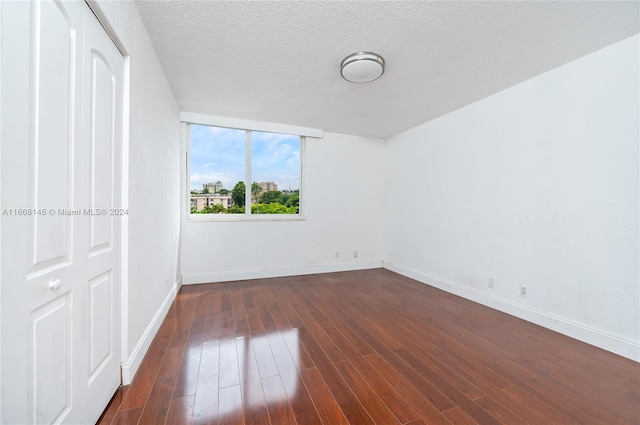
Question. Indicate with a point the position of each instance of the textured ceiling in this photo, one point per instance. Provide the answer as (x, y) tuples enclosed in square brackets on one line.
[(279, 61)]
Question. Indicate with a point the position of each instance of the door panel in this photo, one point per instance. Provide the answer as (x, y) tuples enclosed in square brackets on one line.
[(101, 331), (103, 91), (53, 114), (52, 361), (54, 123), (102, 129)]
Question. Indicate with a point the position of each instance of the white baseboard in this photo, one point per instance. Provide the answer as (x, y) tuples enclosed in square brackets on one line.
[(610, 342), (193, 278), (130, 367)]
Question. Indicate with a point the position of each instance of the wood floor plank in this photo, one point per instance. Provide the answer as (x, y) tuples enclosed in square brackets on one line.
[(248, 299), (301, 404), (319, 333), (523, 376), (264, 312), (562, 391), (266, 362), (227, 325), (140, 388), (180, 411), (226, 305), (365, 347), (205, 405), (111, 411), (187, 378), (482, 375), (435, 369), (458, 417), (287, 307), (325, 403), (557, 403), (241, 326), (417, 422), (230, 410), (348, 402), (417, 399), (450, 375), (442, 346), (156, 407), (279, 408), (500, 412), (515, 405), (431, 393), (367, 396), (326, 316), (229, 374), (128, 417), (558, 365), (279, 318), (212, 323), (535, 404), (454, 394), (255, 408), (388, 394), (254, 322), (300, 356), (192, 319)]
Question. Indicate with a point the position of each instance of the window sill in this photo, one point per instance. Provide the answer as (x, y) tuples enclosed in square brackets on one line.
[(243, 217)]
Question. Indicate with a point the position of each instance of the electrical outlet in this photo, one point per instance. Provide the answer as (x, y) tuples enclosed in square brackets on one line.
[(492, 283), (355, 254), (523, 291)]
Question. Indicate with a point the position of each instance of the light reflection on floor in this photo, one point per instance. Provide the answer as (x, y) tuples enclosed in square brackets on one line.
[(263, 373)]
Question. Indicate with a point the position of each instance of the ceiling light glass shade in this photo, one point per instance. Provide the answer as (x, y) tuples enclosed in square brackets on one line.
[(362, 67)]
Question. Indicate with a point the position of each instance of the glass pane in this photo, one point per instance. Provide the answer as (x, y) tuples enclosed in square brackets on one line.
[(275, 172), (217, 170)]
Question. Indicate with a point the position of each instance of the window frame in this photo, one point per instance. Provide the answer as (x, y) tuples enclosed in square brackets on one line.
[(247, 126)]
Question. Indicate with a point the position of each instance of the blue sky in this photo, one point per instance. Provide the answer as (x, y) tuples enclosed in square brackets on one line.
[(219, 154)]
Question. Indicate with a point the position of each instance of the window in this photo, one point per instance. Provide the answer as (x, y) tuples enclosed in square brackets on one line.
[(243, 172)]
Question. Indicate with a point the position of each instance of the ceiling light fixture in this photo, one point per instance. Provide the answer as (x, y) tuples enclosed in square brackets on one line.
[(362, 67)]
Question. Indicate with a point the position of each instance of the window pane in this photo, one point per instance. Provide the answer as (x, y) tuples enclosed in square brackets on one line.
[(217, 170), (275, 173)]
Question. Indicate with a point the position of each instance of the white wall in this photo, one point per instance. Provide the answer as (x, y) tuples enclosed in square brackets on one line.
[(344, 200), (537, 185), (154, 188)]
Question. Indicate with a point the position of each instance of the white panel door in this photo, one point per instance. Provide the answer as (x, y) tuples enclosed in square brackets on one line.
[(101, 189), (61, 109)]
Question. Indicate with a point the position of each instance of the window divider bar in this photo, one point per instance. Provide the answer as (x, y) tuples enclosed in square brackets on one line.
[(247, 174)]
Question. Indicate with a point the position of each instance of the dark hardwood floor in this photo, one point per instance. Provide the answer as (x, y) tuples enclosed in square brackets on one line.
[(366, 347)]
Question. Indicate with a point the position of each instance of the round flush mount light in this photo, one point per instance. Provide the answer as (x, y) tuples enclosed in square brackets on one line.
[(362, 67)]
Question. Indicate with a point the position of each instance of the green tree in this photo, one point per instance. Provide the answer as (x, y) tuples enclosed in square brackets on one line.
[(235, 210), (272, 208), (271, 197), (293, 201), (214, 209), (255, 192), (223, 192), (237, 194)]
